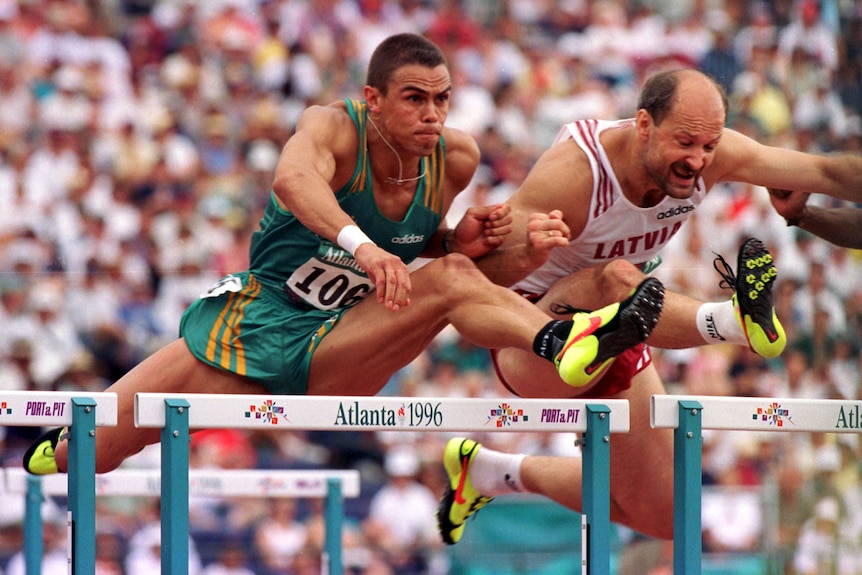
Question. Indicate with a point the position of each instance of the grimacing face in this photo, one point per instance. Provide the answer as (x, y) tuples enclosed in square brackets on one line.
[(680, 149), (415, 107)]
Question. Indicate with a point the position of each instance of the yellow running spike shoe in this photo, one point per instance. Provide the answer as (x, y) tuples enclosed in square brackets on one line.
[(598, 337), (755, 275), (39, 458), (461, 500)]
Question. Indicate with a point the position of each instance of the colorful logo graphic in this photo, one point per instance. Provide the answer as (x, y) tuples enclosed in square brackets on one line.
[(773, 415), (269, 412), (271, 485), (5, 409), (505, 415)]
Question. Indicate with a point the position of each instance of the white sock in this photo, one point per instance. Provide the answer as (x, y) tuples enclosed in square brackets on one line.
[(494, 473), (717, 323)]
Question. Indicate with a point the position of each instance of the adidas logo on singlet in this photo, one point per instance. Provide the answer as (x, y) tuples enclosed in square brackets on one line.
[(674, 212), (408, 239)]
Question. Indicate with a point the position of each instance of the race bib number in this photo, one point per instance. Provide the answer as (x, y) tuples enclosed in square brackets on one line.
[(329, 285)]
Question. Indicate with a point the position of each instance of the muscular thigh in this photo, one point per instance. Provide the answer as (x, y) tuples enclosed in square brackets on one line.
[(594, 287), (173, 369), (579, 290), (644, 451), (370, 343), (528, 375)]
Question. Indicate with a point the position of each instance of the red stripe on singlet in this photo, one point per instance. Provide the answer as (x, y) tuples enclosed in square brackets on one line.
[(603, 187)]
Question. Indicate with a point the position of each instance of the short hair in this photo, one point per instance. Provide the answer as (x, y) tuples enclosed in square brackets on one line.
[(658, 93), (401, 50)]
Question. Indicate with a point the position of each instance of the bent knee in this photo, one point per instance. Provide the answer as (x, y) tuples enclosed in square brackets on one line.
[(619, 278), (457, 262), (453, 270)]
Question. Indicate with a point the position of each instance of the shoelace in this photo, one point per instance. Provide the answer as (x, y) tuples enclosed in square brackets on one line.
[(728, 280)]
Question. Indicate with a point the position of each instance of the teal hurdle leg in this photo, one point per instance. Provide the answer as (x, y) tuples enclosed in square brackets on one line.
[(82, 485), (33, 546), (334, 516), (175, 488), (596, 489), (687, 490)]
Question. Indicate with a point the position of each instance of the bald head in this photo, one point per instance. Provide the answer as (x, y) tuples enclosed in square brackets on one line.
[(683, 91)]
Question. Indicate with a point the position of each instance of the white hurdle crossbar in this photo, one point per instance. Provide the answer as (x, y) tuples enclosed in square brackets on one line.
[(689, 415), (175, 414), (202, 483), (275, 483), (81, 412)]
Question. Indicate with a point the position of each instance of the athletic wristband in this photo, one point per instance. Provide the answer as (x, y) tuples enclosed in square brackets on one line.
[(447, 249), (351, 237)]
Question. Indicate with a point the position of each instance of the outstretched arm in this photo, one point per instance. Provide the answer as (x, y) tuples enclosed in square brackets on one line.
[(742, 159), (840, 226), (512, 263), (548, 210), (481, 230), (316, 160)]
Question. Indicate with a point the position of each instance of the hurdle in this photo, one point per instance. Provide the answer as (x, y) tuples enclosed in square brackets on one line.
[(176, 414), (202, 483), (275, 483), (81, 412), (689, 415)]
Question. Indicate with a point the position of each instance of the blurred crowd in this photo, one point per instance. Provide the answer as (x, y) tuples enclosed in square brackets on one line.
[(137, 144)]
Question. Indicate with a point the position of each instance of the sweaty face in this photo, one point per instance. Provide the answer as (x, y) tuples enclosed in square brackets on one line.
[(681, 148), (415, 108)]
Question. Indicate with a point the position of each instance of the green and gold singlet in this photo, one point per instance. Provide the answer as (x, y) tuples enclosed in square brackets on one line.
[(266, 322)]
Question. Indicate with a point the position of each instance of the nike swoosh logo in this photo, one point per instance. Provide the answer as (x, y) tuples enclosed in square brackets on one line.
[(459, 492), (595, 322), (591, 369)]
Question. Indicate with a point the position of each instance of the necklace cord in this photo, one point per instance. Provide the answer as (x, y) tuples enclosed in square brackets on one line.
[(391, 180)]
